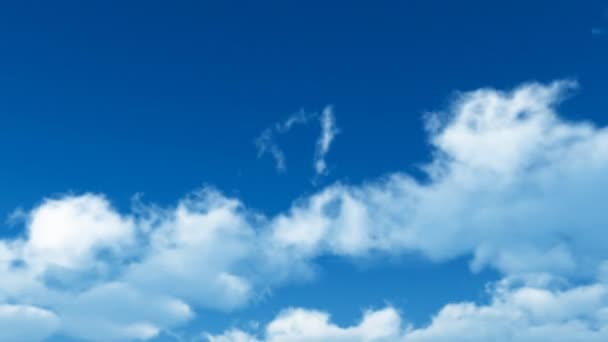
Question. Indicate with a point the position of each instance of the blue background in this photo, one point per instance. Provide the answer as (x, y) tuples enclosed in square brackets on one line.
[(162, 97)]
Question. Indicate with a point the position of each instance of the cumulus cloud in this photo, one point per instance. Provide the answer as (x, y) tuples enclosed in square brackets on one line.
[(514, 314), (234, 335), (300, 325), (26, 323), (72, 263), (68, 232), (119, 312), (511, 183), (266, 142)]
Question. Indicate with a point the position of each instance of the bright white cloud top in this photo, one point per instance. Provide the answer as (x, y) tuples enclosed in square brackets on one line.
[(511, 184)]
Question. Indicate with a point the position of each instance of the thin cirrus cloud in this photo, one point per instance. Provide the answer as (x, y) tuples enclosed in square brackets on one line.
[(328, 133), (511, 184), (266, 141)]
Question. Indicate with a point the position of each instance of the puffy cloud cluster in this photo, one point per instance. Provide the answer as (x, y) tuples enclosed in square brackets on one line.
[(26, 323), (522, 314), (299, 325), (511, 184)]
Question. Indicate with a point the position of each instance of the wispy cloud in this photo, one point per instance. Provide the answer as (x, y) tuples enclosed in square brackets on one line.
[(266, 141), (266, 144), (328, 133), (298, 118), (511, 185)]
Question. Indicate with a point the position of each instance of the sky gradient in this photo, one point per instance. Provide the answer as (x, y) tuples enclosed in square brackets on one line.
[(285, 171)]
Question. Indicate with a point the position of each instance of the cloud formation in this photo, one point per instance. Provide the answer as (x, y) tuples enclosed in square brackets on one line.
[(511, 184), (266, 142), (26, 323), (523, 314), (328, 133)]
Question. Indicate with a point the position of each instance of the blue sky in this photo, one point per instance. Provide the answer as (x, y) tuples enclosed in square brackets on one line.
[(464, 160)]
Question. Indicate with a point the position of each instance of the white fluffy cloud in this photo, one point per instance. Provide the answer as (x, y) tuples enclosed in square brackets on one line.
[(521, 314), (511, 184), (301, 325), (21, 323), (67, 232), (203, 246), (524, 314)]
